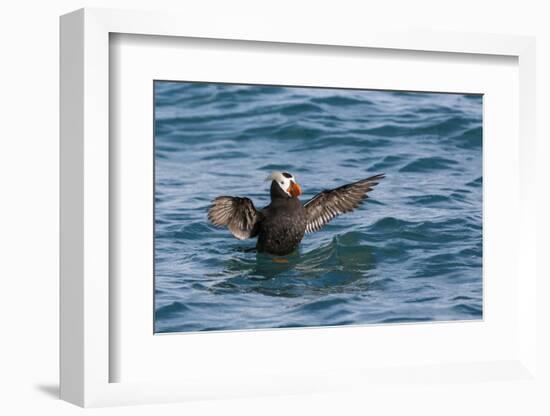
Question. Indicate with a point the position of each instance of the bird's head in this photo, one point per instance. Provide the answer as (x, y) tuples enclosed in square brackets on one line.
[(286, 183)]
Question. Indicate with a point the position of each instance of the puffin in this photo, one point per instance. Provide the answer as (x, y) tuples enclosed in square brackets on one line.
[(281, 225)]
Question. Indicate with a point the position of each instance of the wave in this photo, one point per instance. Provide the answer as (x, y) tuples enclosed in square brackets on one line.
[(476, 183), (412, 253), (301, 108), (446, 127), (469, 309), (330, 268), (167, 311), (388, 162), (427, 200), (470, 139), (427, 164), (339, 101)]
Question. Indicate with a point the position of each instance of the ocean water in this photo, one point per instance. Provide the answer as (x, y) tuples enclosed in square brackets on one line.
[(411, 253)]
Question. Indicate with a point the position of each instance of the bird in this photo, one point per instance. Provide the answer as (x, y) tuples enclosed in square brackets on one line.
[(281, 225)]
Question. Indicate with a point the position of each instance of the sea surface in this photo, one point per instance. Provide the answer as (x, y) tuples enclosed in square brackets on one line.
[(411, 253)]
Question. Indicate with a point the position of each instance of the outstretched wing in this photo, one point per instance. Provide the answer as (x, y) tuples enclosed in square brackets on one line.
[(238, 214), (326, 205)]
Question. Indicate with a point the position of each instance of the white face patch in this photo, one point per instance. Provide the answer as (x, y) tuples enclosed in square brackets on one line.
[(283, 180)]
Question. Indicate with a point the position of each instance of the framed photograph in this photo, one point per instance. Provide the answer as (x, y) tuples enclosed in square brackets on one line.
[(275, 212)]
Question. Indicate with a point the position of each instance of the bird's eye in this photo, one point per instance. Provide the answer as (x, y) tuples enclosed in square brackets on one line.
[(282, 183)]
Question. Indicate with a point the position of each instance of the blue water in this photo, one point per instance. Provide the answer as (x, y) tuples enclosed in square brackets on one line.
[(411, 253)]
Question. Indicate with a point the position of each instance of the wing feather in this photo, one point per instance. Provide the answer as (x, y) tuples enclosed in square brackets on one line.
[(326, 205), (237, 214)]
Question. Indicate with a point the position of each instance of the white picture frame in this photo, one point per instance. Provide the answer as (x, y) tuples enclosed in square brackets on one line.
[(86, 166)]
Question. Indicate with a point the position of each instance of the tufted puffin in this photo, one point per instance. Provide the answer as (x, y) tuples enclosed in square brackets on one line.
[(281, 225)]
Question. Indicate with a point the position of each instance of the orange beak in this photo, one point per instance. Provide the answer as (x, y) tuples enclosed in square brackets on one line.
[(294, 189)]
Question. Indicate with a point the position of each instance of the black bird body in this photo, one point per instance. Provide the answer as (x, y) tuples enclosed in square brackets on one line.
[(281, 225)]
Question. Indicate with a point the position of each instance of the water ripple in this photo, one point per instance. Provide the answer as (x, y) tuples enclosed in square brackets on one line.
[(412, 253)]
